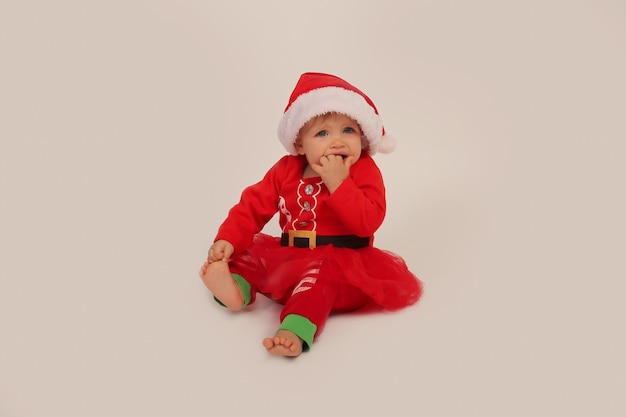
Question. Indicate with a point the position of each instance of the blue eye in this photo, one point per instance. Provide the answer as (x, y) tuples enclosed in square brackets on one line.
[(348, 130), (321, 133)]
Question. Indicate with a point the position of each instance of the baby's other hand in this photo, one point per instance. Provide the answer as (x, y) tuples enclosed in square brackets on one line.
[(221, 250)]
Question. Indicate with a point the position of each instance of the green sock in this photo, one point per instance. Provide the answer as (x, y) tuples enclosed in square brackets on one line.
[(301, 327)]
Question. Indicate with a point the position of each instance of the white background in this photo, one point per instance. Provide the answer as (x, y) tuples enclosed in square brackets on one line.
[(128, 128)]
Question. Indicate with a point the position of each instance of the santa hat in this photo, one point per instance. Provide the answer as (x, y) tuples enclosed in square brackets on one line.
[(316, 94)]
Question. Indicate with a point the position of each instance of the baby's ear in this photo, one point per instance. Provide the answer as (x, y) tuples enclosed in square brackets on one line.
[(298, 145)]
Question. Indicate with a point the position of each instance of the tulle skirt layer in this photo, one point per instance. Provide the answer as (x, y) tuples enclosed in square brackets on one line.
[(275, 270)]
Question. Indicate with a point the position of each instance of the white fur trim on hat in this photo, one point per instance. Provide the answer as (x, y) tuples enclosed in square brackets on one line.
[(387, 143), (339, 100)]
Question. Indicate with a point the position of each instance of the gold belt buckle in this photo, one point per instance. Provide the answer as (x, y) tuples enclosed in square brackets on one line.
[(309, 234)]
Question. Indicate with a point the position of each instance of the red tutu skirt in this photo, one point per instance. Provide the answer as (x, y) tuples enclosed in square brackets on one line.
[(275, 270)]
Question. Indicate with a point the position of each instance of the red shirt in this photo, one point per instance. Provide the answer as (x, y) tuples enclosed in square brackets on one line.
[(357, 207)]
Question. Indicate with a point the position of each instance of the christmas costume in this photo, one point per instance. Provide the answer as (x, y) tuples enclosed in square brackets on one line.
[(352, 278)]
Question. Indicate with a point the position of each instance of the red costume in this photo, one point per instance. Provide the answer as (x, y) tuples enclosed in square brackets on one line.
[(316, 282)]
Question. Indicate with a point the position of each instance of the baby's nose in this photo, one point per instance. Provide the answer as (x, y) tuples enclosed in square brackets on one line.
[(337, 141)]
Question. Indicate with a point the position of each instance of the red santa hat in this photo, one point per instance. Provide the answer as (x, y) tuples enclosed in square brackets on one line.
[(316, 94)]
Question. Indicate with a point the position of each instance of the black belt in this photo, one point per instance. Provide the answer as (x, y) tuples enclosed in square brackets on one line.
[(310, 239)]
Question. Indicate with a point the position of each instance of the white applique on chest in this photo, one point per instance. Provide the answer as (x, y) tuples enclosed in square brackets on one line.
[(307, 201)]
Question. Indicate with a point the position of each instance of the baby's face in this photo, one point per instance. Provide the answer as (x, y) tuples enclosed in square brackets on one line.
[(329, 134)]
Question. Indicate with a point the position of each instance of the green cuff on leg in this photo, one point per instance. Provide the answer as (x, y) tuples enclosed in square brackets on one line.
[(301, 327), (244, 286)]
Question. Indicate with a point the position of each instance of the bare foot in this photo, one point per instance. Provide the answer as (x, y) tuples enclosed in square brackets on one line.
[(216, 276), (284, 343)]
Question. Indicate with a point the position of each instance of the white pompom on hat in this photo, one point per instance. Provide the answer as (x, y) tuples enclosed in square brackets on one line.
[(316, 94)]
